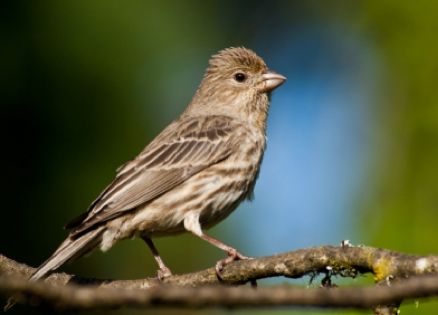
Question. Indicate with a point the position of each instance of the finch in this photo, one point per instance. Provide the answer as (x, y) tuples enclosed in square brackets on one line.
[(193, 174)]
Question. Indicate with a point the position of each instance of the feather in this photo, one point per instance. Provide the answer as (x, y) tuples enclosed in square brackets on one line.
[(173, 157), (69, 250)]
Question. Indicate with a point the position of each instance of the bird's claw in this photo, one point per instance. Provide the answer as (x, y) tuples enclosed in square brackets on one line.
[(239, 256), (163, 273), (233, 255)]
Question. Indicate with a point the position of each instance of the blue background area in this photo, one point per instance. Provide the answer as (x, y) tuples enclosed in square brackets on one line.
[(321, 142)]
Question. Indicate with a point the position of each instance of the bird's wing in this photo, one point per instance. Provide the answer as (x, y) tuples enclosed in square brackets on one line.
[(186, 147)]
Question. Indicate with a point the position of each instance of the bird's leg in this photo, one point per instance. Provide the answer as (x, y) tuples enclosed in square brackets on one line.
[(233, 254), (163, 271), (191, 223)]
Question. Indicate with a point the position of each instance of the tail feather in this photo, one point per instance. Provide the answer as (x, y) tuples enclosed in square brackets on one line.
[(69, 250)]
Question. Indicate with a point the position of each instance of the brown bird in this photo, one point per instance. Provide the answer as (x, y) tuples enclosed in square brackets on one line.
[(193, 174)]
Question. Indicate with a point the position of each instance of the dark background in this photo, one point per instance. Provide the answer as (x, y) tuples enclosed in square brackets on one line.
[(353, 133)]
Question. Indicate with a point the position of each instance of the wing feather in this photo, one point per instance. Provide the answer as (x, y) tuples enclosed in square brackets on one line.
[(183, 149)]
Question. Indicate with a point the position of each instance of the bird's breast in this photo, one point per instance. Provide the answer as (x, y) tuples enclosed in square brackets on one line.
[(213, 192), (230, 182)]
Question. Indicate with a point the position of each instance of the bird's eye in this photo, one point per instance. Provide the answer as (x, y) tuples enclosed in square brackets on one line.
[(240, 77)]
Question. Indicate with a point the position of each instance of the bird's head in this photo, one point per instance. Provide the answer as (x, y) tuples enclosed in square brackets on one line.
[(237, 82), (240, 69)]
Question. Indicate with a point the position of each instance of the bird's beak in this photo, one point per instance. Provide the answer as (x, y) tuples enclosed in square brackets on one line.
[(271, 80)]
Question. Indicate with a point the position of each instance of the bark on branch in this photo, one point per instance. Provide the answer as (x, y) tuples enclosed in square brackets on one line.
[(409, 277)]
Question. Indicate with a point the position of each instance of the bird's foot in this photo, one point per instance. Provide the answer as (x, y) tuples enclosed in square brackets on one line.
[(163, 273), (233, 255)]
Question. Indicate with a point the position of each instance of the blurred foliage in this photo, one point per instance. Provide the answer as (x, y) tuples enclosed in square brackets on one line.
[(403, 213), (407, 198), (84, 85)]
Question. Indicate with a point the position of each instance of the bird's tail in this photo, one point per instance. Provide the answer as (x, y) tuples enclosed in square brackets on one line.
[(69, 250)]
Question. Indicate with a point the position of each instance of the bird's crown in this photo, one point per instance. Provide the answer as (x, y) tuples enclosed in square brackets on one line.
[(236, 57)]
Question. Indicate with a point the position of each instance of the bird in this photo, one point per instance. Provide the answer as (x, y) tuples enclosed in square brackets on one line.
[(192, 175)]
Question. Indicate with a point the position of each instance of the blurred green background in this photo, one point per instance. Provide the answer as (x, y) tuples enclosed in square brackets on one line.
[(353, 134)]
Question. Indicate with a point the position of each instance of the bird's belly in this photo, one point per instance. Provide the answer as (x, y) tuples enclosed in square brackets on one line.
[(211, 194), (222, 203)]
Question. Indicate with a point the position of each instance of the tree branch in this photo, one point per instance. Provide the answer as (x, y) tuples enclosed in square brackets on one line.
[(200, 289)]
